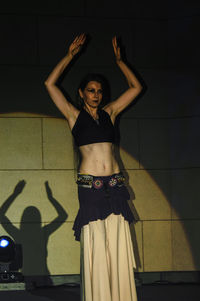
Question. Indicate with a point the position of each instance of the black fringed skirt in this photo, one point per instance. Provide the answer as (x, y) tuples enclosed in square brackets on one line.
[(99, 201)]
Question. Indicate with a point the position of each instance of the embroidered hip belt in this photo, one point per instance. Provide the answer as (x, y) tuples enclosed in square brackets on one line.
[(89, 181)]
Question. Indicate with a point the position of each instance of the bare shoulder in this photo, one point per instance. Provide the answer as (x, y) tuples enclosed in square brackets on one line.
[(108, 108)]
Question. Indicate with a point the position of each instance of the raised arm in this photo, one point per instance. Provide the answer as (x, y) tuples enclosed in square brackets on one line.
[(67, 109), (118, 105), (62, 215), (4, 220)]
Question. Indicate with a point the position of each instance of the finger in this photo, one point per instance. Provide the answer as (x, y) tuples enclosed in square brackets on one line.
[(80, 37), (83, 38), (83, 41), (115, 49), (75, 40), (115, 43)]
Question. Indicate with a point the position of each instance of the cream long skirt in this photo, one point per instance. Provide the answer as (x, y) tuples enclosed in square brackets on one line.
[(107, 261)]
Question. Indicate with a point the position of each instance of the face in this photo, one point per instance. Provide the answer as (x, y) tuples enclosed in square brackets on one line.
[(92, 94)]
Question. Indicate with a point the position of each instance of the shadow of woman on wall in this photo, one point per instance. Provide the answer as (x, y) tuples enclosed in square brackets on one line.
[(31, 234)]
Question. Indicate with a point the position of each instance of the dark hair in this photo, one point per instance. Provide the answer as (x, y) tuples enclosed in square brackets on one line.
[(97, 78)]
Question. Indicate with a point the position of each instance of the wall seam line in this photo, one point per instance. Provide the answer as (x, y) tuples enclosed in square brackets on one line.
[(42, 142)]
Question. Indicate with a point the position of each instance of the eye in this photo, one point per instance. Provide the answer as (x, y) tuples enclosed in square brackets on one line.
[(93, 91)]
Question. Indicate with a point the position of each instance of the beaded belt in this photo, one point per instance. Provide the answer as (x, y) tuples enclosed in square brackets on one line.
[(89, 181)]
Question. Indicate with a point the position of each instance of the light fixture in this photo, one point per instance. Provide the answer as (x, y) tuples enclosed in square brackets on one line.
[(10, 260)]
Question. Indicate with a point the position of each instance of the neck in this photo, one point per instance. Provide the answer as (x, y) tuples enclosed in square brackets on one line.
[(92, 111)]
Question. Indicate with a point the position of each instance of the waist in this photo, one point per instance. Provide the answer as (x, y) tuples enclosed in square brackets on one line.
[(98, 160), (90, 181)]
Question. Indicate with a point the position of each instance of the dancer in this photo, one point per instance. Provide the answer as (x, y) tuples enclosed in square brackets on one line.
[(102, 222)]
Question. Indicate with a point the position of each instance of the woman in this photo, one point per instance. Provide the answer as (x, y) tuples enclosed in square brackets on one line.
[(102, 223)]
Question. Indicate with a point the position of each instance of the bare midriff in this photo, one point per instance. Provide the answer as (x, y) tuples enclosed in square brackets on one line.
[(98, 159)]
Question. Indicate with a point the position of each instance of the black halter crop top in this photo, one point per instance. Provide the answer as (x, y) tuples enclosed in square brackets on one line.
[(87, 131)]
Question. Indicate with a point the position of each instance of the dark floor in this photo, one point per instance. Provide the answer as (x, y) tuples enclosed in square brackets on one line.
[(156, 292)]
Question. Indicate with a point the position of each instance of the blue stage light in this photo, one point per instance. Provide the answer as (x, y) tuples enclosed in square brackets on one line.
[(10, 260), (7, 249), (4, 243)]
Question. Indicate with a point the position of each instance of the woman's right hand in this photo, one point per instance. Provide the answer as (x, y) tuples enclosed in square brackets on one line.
[(77, 44)]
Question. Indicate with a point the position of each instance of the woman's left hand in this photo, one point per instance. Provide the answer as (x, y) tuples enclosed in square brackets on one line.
[(116, 49)]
